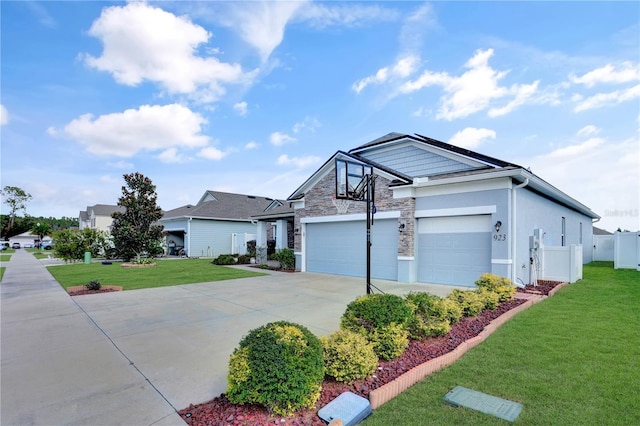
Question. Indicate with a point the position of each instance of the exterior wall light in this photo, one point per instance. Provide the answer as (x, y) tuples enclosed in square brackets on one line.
[(498, 225)]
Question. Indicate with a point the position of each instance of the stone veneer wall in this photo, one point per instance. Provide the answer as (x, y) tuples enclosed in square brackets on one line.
[(318, 201)]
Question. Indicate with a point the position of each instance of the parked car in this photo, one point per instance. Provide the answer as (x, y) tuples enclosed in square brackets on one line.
[(4, 245), (15, 245), (47, 244)]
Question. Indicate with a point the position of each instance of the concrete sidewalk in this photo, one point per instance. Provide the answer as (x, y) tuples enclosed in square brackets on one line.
[(132, 357), (57, 365)]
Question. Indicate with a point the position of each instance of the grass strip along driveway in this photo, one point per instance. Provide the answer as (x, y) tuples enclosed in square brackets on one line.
[(166, 273), (573, 359)]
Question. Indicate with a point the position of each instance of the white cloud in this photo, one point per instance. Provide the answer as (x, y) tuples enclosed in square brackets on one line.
[(575, 150), (298, 162), (251, 145), (473, 91), (171, 155), (212, 153), (575, 169), (588, 131), (523, 92), (309, 123), (403, 67), (240, 108), (279, 138), (52, 131), (4, 115), (260, 23), (125, 165), (145, 43), (108, 179), (149, 128), (321, 15), (624, 73), (608, 99), (471, 137)]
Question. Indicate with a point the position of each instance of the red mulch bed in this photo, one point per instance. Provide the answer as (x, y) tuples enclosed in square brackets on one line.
[(543, 287), (219, 411), (81, 290)]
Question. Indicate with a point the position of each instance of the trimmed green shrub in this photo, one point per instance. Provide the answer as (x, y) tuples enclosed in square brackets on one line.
[(280, 366), (382, 319), (500, 285), (389, 341), (348, 356), (431, 316), (470, 301), (93, 285), (286, 257), (243, 259), (224, 259), (489, 298), (454, 310)]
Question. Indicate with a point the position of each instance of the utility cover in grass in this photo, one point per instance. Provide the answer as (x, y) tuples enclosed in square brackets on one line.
[(488, 404)]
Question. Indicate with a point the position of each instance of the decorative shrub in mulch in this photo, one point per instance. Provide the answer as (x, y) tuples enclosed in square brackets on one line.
[(82, 290), (220, 411), (543, 287)]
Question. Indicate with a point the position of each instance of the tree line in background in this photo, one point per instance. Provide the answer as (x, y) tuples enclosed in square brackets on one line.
[(135, 233)]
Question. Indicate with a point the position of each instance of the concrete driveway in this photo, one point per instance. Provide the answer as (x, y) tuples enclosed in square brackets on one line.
[(135, 357)]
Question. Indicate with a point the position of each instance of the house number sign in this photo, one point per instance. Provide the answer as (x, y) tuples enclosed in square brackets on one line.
[(499, 237)]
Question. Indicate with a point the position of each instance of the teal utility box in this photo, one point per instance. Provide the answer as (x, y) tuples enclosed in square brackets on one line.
[(87, 257)]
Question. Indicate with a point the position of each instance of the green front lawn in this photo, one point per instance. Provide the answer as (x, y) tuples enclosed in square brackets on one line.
[(573, 359), (5, 257), (167, 273)]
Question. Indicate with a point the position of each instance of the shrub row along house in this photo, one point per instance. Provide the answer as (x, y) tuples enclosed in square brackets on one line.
[(443, 214)]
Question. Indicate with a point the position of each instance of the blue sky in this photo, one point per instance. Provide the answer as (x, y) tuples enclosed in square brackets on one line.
[(252, 97)]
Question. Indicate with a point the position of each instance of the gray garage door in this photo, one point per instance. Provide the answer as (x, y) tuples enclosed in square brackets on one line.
[(340, 248), (454, 250)]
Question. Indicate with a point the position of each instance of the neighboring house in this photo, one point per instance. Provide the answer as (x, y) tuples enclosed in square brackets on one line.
[(26, 239), (444, 215), (98, 217), (220, 223)]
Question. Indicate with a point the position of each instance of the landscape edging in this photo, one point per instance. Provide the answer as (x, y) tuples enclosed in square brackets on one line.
[(387, 392)]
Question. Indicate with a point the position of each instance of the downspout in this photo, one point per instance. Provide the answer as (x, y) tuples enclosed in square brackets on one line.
[(189, 236), (513, 229)]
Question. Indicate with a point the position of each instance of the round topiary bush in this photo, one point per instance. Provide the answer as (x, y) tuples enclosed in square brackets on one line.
[(382, 319), (348, 356), (280, 366)]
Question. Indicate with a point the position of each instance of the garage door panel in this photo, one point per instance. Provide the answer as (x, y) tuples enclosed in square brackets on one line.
[(340, 248), (454, 250)]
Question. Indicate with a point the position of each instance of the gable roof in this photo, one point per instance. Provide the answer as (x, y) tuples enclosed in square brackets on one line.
[(600, 231), (475, 166), (222, 205), (100, 210)]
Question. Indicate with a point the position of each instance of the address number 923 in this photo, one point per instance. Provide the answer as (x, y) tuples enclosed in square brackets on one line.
[(499, 237)]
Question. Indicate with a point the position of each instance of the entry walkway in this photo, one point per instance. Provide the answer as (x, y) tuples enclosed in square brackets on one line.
[(58, 367), (134, 357)]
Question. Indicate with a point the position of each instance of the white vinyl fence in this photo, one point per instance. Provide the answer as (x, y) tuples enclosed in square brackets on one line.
[(559, 263), (603, 247), (239, 242), (626, 250)]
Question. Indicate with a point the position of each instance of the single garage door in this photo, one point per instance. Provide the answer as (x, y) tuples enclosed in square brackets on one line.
[(340, 248), (454, 250)]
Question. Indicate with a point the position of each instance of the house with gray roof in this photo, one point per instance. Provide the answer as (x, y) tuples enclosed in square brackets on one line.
[(442, 214), (220, 223), (98, 216)]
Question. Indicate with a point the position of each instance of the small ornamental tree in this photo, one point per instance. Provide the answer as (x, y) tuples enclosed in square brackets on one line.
[(17, 199), (135, 231)]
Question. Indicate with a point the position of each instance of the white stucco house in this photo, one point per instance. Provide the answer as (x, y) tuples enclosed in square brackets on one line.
[(98, 216), (444, 215)]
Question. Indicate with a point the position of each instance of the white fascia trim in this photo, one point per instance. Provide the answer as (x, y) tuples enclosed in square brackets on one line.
[(349, 217), (459, 211), (297, 253), (298, 204), (410, 258), (502, 261)]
